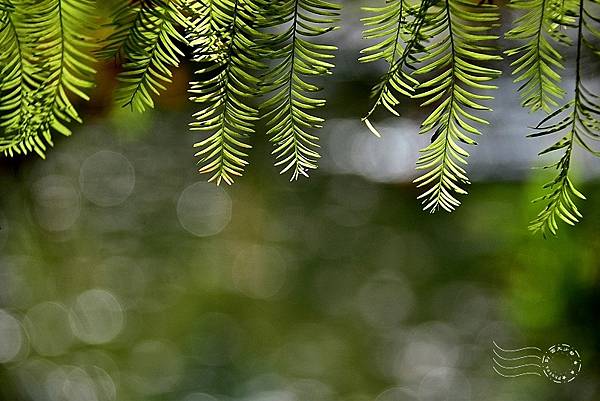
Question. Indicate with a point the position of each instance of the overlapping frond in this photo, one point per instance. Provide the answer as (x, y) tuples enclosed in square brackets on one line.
[(259, 59), (289, 108), (458, 32), (47, 47), (122, 21), (387, 26), (538, 63), (7, 40), (578, 124), (146, 37), (227, 83), (5, 7), (396, 28)]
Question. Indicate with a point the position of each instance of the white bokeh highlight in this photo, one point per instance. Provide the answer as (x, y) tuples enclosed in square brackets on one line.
[(107, 178), (444, 384), (12, 338), (96, 317), (70, 383), (204, 209), (48, 327)]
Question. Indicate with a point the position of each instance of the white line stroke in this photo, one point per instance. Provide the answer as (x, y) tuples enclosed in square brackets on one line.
[(515, 350), (516, 367), (515, 358), (517, 375)]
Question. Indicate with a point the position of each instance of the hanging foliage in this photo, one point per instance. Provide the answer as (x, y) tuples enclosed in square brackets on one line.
[(260, 61)]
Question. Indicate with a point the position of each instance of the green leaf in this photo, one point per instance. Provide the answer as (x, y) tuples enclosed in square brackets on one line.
[(453, 64), (146, 39), (291, 100), (397, 29), (47, 55), (578, 124), (224, 38), (537, 62)]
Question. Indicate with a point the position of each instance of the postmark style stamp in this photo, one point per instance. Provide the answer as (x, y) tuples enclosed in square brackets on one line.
[(561, 363)]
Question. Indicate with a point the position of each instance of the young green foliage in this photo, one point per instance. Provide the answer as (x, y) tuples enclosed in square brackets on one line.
[(225, 46), (387, 26), (121, 24), (289, 109), (396, 27), (455, 55), (537, 61), (146, 38), (5, 7), (46, 56), (580, 126), (435, 50)]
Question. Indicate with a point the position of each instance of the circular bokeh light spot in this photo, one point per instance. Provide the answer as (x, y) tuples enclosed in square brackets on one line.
[(48, 327), (444, 384), (204, 209), (96, 317), (11, 337), (107, 178)]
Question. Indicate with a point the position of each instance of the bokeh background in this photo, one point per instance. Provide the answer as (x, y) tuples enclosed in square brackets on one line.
[(124, 276)]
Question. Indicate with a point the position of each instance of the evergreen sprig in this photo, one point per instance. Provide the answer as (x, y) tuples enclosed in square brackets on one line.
[(259, 59), (46, 56), (146, 38), (538, 62), (389, 27), (289, 108), (227, 85), (457, 52), (580, 126), (397, 28)]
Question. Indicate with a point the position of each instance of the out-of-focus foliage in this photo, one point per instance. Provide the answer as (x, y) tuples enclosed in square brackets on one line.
[(123, 279)]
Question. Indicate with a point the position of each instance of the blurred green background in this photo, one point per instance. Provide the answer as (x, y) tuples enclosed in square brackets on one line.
[(124, 276)]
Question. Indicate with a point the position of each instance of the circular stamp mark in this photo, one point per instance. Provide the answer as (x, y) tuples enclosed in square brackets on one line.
[(561, 363)]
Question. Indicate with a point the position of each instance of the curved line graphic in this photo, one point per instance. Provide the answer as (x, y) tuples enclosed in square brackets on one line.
[(516, 367), (516, 350), (515, 358), (517, 375)]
